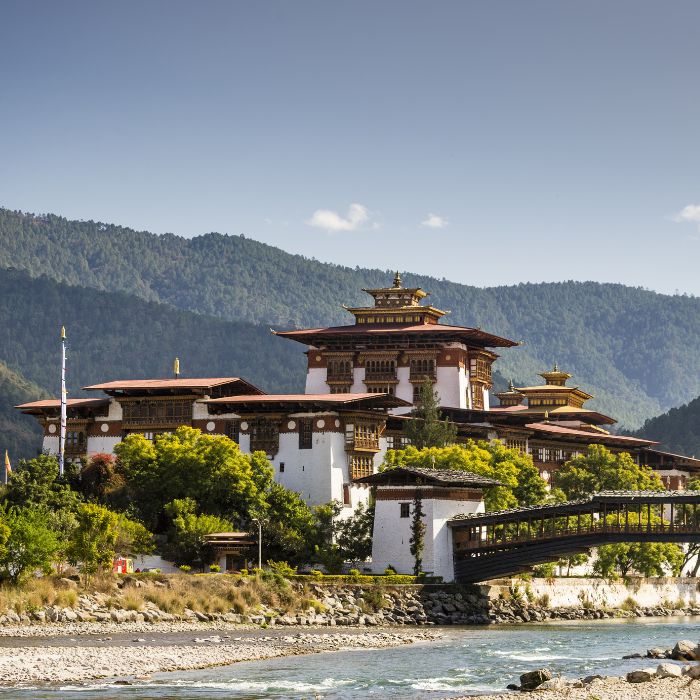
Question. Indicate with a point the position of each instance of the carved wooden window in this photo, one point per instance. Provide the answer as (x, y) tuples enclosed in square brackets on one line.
[(517, 444), (233, 430), (361, 465), (264, 436), (477, 397), (306, 433), (148, 411), (422, 368), (340, 389), (339, 370), (405, 510), (378, 370), (346, 495)]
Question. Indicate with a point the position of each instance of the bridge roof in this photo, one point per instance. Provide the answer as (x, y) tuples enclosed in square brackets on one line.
[(409, 476), (582, 505)]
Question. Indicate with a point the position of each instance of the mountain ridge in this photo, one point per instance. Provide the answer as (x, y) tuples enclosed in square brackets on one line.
[(608, 336)]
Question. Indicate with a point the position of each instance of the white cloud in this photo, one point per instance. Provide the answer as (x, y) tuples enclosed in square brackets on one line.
[(435, 221), (331, 221), (688, 215)]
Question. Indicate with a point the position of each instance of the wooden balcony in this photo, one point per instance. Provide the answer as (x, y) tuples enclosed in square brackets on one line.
[(420, 377), (381, 376), (362, 444), (337, 378)]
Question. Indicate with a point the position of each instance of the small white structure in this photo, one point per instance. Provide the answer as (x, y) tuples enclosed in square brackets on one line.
[(444, 493)]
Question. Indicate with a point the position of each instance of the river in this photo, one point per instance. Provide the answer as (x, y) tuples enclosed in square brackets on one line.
[(465, 660)]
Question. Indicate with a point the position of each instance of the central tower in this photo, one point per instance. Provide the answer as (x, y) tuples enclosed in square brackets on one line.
[(397, 344)]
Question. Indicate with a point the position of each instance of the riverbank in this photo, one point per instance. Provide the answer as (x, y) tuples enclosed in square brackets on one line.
[(612, 689), (272, 601), (133, 661)]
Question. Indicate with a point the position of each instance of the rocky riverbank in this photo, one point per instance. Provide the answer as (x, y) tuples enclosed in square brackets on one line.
[(669, 680), (125, 662), (229, 601)]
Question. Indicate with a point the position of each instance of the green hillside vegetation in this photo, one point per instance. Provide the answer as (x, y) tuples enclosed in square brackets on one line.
[(19, 435), (635, 350), (678, 430), (116, 336)]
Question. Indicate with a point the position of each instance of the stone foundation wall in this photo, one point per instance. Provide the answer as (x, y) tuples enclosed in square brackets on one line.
[(600, 593)]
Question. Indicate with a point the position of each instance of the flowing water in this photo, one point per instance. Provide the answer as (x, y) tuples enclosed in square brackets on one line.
[(465, 660)]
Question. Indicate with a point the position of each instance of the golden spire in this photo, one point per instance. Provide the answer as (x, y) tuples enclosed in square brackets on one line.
[(397, 280), (176, 367), (63, 332)]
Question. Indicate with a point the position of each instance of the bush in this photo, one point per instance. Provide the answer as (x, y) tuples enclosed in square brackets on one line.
[(629, 603), (185, 568), (214, 568), (281, 568)]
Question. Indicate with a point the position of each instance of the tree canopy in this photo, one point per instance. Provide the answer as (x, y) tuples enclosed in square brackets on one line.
[(522, 484)]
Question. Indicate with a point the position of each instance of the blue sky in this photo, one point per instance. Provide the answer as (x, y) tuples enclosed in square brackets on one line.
[(484, 142)]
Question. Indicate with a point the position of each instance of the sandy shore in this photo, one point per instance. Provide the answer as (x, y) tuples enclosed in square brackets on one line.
[(611, 689), (64, 663)]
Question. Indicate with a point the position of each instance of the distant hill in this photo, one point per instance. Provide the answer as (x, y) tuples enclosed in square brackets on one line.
[(19, 435), (678, 430), (116, 336), (637, 351)]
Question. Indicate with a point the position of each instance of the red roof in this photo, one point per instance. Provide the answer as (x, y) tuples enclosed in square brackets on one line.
[(596, 436), (378, 329), (180, 383), (308, 398), (56, 403)]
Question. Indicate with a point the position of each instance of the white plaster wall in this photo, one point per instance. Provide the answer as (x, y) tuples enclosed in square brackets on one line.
[(50, 444), (571, 592), (115, 410), (358, 381), (318, 474), (392, 533), (464, 396), (244, 442), (101, 443), (404, 389), (487, 399), (154, 561), (441, 534), (448, 387), (316, 381), (390, 538), (200, 411)]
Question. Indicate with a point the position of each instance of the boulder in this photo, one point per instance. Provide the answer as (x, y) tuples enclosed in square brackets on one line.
[(534, 679), (641, 676), (692, 672), (554, 684), (685, 650), (668, 671), (657, 653)]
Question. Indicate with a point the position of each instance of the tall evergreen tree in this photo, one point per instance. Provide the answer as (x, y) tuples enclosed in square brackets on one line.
[(427, 428), (418, 527)]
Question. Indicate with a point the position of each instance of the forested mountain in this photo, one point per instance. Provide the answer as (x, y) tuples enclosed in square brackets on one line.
[(637, 351), (678, 430), (19, 435), (116, 336)]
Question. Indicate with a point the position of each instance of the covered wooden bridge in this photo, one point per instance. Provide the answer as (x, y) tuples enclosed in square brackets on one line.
[(508, 542)]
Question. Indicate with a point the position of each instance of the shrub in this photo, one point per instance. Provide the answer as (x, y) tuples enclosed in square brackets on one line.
[(185, 568), (629, 603), (214, 568), (543, 600), (281, 568)]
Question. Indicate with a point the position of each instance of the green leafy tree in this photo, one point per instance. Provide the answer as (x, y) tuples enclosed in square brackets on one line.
[(644, 558), (188, 543), (427, 428), (354, 534), (92, 545), (36, 483), (210, 469), (602, 470), (418, 528), (522, 484), (133, 539), (27, 543)]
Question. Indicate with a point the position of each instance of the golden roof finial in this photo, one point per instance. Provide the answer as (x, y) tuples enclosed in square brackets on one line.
[(511, 386), (176, 367), (546, 415), (63, 332), (397, 280), (555, 368)]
